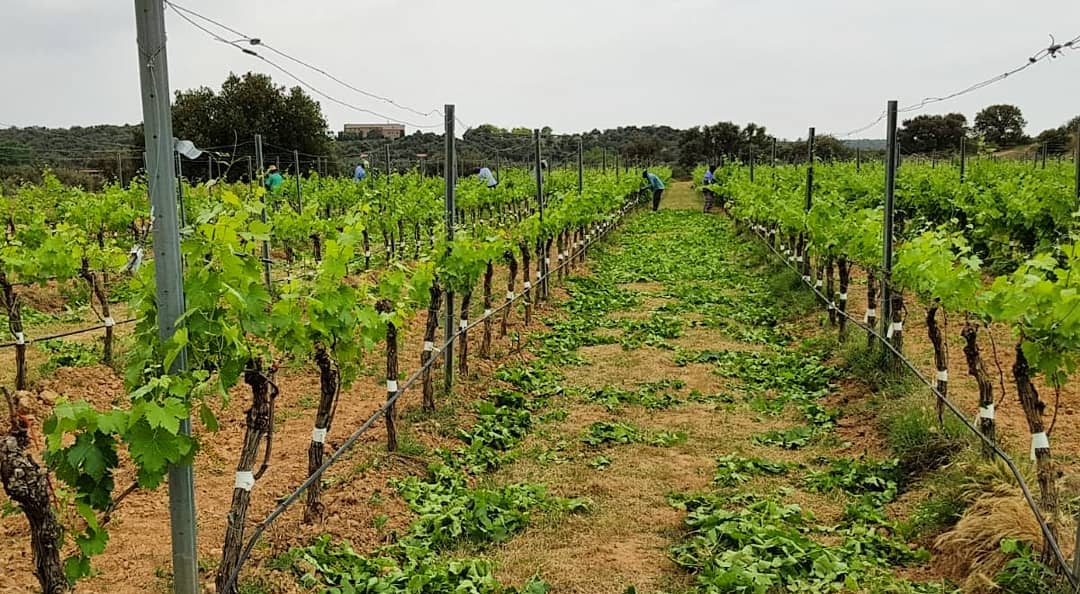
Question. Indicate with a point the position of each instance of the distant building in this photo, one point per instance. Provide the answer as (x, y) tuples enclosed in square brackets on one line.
[(366, 130)]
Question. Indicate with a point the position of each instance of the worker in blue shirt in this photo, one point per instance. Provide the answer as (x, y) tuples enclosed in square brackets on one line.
[(360, 173), (706, 191), (656, 186), (486, 176)]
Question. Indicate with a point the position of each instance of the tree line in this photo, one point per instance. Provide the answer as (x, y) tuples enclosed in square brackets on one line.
[(226, 120)]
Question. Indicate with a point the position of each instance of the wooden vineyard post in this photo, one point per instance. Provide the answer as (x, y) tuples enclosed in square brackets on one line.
[(511, 263), (871, 306), (1040, 441), (27, 484), (841, 304), (547, 267), (560, 250), (541, 279), (526, 287), (367, 249), (977, 370), (830, 295), (98, 291), (430, 328), (259, 426), (895, 333), (388, 242), (13, 307), (941, 363), (401, 239), (463, 324), (391, 378), (329, 385), (485, 344)]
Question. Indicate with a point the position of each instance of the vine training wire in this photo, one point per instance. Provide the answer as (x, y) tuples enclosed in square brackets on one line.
[(187, 14), (1053, 51)]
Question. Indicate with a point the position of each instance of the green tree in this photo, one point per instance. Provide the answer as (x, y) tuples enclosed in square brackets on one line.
[(248, 105), (1056, 140), (932, 133), (1002, 125)]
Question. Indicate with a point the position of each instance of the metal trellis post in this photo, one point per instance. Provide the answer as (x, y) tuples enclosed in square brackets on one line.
[(299, 194), (890, 188), (449, 171), (168, 272), (263, 216)]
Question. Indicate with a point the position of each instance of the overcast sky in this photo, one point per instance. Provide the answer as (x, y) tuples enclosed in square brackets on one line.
[(573, 65)]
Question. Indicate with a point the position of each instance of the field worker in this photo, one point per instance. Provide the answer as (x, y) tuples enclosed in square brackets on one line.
[(656, 186), (708, 180), (485, 176), (273, 179), (360, 173), (543, 169)]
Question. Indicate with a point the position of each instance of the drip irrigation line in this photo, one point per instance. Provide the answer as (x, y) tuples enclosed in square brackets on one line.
[(293, 497), (66, 334), (1044, 528)]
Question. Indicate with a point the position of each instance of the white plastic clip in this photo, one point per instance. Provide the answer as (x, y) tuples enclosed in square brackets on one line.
[(428, 346), (245, 480), (806, 278), (509, 295), (367, 254), (843, 296), (528, 285), (943, 375), (109, 322), (391, 385), (987, 412), (463, 324), (1039, 441), (20, 338), (818, 284), (318, 435), (487, 313)]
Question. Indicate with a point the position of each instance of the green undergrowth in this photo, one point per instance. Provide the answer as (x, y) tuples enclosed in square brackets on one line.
[(652, 395), (733, 469), (605, 433), (757, 541), (756, 545), (66, 353), (455, 518)]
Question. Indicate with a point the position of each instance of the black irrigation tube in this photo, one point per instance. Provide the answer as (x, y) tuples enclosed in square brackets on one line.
[(1058, 555), (261, 527), (66, 334)]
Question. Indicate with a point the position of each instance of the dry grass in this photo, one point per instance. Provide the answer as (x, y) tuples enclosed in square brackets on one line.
[(611, 365), (971, 551)]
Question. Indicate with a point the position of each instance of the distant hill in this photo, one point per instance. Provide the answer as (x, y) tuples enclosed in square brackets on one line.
[(75, 144), (866, 144)]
